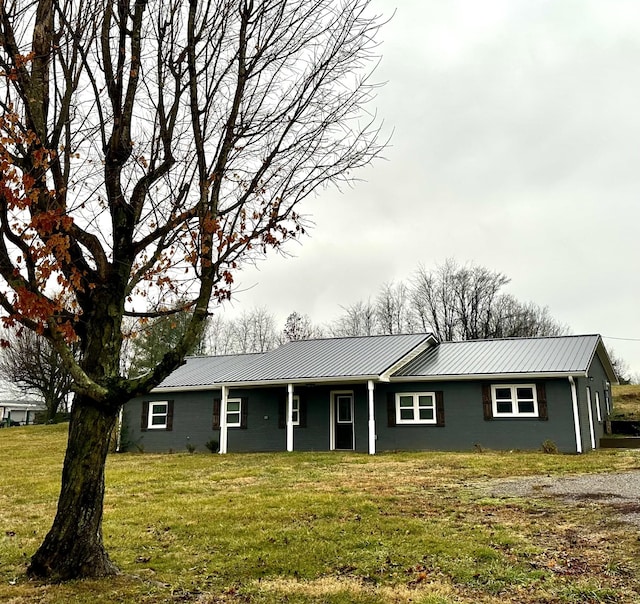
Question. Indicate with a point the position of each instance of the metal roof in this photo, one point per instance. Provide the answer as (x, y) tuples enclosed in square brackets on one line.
[(332, 358), (320, 359), (563, 355), (398, 357), (206, 371)]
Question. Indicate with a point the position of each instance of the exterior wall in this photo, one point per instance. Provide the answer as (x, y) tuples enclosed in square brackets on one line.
[(596, 381), (193, 421), (465, 426)]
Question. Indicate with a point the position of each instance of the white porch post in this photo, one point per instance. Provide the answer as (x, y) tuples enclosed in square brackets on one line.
[(289, 417), (576, 415), (372, 420), (223, 419), (592, 431)]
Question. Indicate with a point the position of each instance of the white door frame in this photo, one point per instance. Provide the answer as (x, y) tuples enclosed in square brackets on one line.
[(332, 419)]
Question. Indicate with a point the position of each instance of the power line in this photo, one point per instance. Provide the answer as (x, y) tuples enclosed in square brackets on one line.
[(625, 339)]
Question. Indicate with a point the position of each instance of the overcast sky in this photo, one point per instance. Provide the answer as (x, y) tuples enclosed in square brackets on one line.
[(516, 146)]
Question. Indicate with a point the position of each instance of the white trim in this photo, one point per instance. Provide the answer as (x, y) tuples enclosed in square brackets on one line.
[(151, 415), (592, 430), (598, 407), (377, 378), (515, 413), (237, 424), (119, 429), (332, 415), (372, 419), (415, 396), (407, 358), (485, 376), (223, 420), (337, 380), (576, 415), (290, 417)]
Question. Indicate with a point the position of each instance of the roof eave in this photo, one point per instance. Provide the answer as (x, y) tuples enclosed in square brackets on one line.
[(281, 382), (429, 340), (487, 376)]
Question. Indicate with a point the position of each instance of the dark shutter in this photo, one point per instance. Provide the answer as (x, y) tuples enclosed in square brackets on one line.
[(169, 416), (144, 419), (543, 413), (216, 413), (391, 409), (282, 412), (244, 412), (303, 412), (486, 401), (439, 408)]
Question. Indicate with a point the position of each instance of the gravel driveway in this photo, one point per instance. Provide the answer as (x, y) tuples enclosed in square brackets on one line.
[(619, 490)]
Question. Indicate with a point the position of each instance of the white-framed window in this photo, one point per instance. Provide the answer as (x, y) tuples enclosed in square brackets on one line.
[(598, 408), (416, 408), (234, 413), (158, 413), (514, 400), (295, 410)]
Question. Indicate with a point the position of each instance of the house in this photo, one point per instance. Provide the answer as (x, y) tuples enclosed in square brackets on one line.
[(19, 412), (382, 393)]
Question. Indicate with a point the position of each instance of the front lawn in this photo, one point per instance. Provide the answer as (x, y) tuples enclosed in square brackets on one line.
[(322, 528)]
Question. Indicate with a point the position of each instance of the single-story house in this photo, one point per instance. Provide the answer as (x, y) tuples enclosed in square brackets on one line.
[(19, 412), (382, 393)]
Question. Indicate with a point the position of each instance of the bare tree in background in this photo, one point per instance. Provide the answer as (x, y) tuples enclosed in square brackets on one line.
[(358, 319), (299, 327), (35, 369), (149, 147), (392, 309), (467, 303)]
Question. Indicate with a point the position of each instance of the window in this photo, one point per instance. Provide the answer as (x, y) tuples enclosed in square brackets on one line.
[(295, 410), (234, 413), (157, 415), (415, 408), (514, 400), (298, 411)]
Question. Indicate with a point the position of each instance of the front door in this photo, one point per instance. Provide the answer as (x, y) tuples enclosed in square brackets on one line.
[(343, 420)]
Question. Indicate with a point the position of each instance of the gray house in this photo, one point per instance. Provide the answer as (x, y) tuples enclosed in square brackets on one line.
[(382, 393)]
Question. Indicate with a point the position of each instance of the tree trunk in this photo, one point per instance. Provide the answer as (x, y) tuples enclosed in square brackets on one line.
[(73, 547)]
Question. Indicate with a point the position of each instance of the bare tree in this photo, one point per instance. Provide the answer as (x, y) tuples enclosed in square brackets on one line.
[(358, 319), (32, 365), (253, 331), (218, 337), (149, 147), (392, 309), (433, 300), (298, 327), (467, 303)]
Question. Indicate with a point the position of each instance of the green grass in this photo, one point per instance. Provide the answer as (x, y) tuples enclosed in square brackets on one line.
[(322, 528), (626, 402)]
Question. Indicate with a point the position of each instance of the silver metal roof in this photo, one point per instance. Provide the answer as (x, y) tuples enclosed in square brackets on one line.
[(404, 357), (321, 359), (206, 371), (331, 358), (551, 355)]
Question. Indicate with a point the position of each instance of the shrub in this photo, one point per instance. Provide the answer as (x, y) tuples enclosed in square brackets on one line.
[(212, 445), (548, 446)]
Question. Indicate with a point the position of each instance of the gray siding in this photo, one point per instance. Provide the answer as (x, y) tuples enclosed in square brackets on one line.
[(465, 426)]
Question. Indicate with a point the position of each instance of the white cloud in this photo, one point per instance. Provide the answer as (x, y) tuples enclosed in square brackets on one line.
[(516, 146)]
